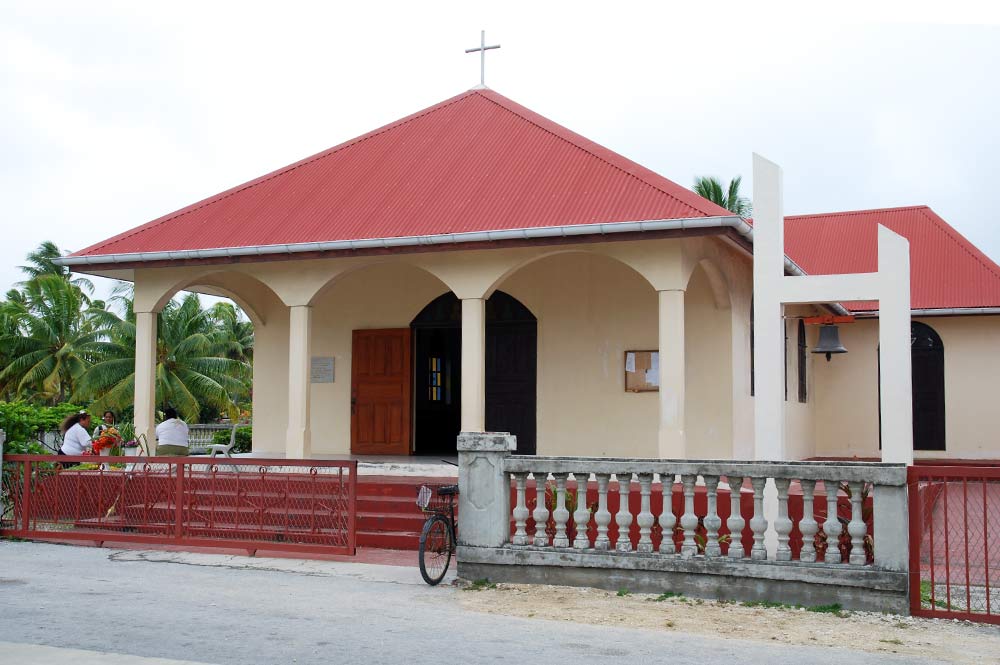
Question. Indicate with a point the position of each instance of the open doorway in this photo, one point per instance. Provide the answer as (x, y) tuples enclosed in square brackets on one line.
[(511, 373)]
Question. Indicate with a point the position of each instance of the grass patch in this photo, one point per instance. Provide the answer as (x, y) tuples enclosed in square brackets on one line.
[(479, 585), (835, 609), (666, 595), (623, 592), (925, 596), (767, 603), (893, 641)]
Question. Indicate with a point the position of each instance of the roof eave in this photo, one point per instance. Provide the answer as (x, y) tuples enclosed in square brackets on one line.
[(734, 222), (566, 231)]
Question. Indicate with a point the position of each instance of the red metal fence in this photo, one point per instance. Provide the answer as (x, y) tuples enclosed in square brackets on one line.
[(289, 505), (955, 542)]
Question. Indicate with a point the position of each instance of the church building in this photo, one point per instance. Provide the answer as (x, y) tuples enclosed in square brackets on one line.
[(478, 267)]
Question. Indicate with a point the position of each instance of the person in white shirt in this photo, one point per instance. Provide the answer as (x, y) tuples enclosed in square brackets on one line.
[(76, 440), (171, 435)]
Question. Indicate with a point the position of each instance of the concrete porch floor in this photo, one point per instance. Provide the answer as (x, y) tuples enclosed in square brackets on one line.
[(431, 466)]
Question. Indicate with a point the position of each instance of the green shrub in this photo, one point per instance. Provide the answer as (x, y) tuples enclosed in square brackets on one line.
[(244, 436), (22, 421)]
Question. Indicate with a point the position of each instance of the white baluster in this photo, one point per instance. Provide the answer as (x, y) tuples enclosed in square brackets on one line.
[(581, 516), (757, 523), (603, 516), (782, 524), (689, 520), (808, 526), (712, 520), (857, 527), (645, 519), (667, 518), (735, 523), (624, 516), (521, 510), (832, 526), (560, 514), (541, 513)]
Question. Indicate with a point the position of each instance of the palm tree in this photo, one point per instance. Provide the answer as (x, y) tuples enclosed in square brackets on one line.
[(192, 364), (235, 329), (48, 339), (42, 262), (711, 188)]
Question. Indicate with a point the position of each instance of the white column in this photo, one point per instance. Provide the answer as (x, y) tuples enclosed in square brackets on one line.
[(145, 377), (298, 444), (768, 273), (896, 389), (473, 365), (671, 353)]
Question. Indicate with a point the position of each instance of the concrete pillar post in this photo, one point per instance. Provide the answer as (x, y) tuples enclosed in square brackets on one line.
[(473, 365), (892, 542), (484, 488), (768, 324), (896, 382), (672, 443), (144, 399), (298, 443)]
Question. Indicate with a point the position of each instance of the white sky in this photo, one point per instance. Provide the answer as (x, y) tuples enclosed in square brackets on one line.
[(114, 113)]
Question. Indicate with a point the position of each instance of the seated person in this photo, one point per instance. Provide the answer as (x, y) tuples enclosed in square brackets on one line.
[(171, 435)]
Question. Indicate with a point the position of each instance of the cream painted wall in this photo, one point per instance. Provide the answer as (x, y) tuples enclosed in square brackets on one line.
[(800, 417), (270, 381), (384, 296), (847, 390), (708, 381), (590, 311)]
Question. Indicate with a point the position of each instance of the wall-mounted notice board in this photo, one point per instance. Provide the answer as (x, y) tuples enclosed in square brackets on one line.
[(642, 371)]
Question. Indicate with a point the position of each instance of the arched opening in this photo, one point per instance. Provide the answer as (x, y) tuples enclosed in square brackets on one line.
[(927, 358), (927, 381), (511, 351)]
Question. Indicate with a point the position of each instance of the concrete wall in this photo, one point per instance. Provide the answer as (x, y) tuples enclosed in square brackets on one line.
[(590, 311), (800, 420), (847, 390), (708, 341), (384, 296)]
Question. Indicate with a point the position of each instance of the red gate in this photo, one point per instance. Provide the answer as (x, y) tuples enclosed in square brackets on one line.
[(303, 506), (955, 542)]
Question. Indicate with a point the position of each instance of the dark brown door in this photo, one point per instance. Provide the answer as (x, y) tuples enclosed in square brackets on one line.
[(511, 361), (380, 392)]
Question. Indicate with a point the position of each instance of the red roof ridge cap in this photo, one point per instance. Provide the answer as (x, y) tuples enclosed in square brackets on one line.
[(232, 191), (583, 143)]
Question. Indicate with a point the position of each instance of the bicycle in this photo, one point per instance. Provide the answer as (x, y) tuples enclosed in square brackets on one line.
[(437, 539)]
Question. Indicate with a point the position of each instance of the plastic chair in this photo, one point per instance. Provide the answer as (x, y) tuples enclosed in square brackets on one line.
[(217, 448)]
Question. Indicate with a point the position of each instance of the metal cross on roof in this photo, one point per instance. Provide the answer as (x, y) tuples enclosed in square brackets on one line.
[(482, 49)]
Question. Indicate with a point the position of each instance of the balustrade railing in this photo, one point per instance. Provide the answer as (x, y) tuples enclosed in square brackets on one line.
[(818, 512)]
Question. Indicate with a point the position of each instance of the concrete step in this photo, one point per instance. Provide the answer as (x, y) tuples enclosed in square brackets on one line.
[(389, 540)]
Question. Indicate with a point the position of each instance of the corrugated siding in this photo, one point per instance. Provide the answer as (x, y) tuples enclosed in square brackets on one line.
[(475, 162), (946, 270)]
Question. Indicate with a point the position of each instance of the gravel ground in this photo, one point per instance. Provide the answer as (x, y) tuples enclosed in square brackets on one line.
[(936, 639)]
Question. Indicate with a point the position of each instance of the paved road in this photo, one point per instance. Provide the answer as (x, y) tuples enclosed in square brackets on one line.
[(241, 611)]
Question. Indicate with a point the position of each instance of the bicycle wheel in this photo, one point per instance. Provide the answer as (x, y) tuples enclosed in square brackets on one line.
[(435, 549)]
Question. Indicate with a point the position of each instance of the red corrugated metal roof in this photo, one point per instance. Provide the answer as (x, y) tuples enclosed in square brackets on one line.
[(475, 162), (946, 270)]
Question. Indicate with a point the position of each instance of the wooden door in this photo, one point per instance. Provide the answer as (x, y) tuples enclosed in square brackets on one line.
[(511, 360), (380, 392)]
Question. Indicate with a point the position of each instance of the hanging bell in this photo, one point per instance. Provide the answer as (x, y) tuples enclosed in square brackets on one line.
[(829, 341)]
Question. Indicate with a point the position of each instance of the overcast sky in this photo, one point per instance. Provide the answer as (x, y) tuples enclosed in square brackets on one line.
[(113, 113)]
